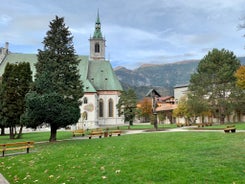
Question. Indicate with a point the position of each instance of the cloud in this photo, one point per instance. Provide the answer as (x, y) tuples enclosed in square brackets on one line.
[(5, 19), (136, 31)]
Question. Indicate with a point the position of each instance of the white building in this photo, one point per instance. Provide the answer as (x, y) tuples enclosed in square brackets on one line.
[(180, 91), (101, 86)]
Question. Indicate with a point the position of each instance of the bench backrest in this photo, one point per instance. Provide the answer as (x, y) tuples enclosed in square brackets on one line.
[(17, 144), (97, 130), (79, 131), (231, 126)]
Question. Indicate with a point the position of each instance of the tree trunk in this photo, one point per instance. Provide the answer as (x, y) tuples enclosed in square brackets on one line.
[(222, 116), (20, 132), (222, 119), (53, 133), (131, 123), (2, 130), (155, 121), (11, 132), (239, 116)]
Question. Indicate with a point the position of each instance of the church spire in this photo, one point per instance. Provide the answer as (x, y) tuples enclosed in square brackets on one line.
[(97, 31), (97, 42), (98, 17)]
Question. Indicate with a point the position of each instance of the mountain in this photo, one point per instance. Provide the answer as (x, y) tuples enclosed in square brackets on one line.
[(163, 77)]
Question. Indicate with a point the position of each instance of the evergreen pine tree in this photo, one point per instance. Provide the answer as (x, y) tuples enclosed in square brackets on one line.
[(16, 82), (214, 81), (127, 105), (57, 85)]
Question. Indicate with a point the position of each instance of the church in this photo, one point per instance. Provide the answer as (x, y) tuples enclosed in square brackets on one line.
[(101, 86)]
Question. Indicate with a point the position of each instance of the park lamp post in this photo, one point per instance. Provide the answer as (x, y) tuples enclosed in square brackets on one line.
[(153, 94)]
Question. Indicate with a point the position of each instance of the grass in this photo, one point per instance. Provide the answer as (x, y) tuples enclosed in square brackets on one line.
[(239, 126), (180, 157), (143, 126), (37, 137)]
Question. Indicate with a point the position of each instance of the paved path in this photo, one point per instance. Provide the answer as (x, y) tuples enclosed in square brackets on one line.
[(3, 180), (132, 131)]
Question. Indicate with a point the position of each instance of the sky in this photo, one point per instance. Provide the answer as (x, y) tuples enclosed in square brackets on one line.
[(136, 31)]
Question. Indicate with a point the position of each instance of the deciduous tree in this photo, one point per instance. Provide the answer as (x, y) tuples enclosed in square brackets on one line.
[(182, 109), (240, 76), (145, 108)]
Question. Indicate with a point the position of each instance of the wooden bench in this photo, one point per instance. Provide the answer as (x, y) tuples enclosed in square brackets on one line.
[(230, 128), (16, 146), (179, 124), (97, 132), (204, 124), (78, 132), (118, 132), (201, 125)]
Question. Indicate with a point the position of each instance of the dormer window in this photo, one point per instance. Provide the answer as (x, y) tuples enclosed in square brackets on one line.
[(97, 48)]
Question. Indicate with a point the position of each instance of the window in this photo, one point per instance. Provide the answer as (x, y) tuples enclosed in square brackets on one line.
[(85, 100), (101, 108), (110, 107), (97, 47)]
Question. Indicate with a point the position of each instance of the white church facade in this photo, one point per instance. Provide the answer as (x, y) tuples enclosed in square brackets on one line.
[(101, 86)]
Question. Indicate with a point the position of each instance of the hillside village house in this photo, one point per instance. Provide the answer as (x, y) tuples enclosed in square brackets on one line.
[(101, 86), (166, 104)]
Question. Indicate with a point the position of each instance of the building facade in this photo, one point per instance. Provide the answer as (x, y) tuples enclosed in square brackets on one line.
[(101, 86)]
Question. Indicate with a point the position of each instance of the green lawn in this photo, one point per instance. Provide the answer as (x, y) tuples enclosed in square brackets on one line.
[(239, 126), (174, 157), (147, 126), (37, 137)]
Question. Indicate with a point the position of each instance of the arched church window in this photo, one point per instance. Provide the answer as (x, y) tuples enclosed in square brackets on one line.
[(101, 108), (85, 100), (110, 107), (97, 47)]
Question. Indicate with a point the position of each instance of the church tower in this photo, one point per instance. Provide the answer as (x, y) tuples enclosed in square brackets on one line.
[(97, 42)]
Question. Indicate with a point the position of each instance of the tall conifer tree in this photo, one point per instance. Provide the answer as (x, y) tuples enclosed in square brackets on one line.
[(16, 82), (214, 81), (57, 86)]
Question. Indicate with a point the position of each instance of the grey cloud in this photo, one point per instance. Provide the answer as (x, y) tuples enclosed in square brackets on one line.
[(136, 31)]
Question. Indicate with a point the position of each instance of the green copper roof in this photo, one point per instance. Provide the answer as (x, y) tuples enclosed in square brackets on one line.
[(97, 31), (88, 87), (17, 58), (96, 75), (102, 76), (98, 18), (99, 74)]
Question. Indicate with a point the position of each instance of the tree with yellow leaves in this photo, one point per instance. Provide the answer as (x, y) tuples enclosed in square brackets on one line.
[(240, 75)]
